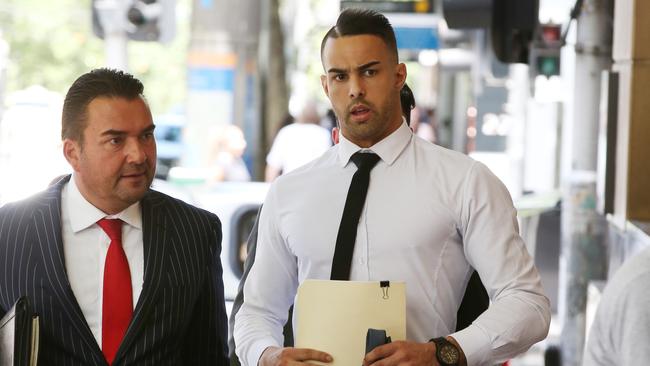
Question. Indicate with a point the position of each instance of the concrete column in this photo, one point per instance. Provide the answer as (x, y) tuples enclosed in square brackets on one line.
[(222, 76), (583, 252)]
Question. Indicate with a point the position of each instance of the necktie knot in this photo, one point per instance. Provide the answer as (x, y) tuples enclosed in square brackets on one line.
[(364, 160), (112, 228)]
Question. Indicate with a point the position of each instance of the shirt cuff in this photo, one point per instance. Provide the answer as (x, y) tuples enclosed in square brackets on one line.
[(475, 344), (257, 348)]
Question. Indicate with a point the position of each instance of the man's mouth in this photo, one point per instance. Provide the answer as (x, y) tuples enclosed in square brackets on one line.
[(359, 109), (133, 175), (360, 112)]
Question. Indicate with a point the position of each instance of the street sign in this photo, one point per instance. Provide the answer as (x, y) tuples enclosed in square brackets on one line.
[(394, 6), (417, 38)]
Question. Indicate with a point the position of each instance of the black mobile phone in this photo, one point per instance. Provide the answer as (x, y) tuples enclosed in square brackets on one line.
[(375, 338)]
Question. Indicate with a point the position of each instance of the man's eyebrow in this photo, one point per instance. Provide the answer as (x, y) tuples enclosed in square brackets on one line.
[(112, 132), (334, 70), (368, 65), (359, 68)]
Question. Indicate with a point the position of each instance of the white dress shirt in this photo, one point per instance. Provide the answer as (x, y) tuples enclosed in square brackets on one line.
[(431, 214), (85, 245), (620, 332)]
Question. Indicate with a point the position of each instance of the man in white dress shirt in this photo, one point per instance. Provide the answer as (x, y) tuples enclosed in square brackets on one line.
[(430, 218)]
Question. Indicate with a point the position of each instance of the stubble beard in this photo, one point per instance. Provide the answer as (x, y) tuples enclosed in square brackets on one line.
[(374, 126), (131, 194)]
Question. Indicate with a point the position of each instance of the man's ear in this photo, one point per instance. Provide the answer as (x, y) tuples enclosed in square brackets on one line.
[(400, 73), (72, 153), (323, 83), (335, 135)]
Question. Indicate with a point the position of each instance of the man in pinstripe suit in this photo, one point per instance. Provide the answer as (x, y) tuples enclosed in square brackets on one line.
[(53, 250)]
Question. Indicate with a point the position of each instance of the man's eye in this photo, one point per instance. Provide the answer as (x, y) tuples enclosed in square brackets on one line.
[(340, 77), (370, 72), (147, 136), (115, 141)]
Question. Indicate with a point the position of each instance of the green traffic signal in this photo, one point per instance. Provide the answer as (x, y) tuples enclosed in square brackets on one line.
[(548, 65)]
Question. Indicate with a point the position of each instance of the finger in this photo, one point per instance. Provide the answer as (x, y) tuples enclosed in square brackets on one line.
[(308, 354), (391, 360), (380, 352), (384, 362)]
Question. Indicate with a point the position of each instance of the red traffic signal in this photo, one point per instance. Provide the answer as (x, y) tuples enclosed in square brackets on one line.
[(551, 32)]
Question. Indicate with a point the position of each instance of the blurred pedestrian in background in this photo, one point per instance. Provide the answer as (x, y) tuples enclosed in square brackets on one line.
[(226, 161), (298, 143)]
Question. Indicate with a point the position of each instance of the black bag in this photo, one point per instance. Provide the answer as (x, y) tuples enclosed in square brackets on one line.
[(19, 335)]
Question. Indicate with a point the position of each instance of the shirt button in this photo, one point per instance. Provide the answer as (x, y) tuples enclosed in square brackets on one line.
[(362, 261)]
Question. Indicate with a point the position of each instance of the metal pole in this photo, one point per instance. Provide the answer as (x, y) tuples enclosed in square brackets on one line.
[(112, 15), (116, 50), (583, 253)]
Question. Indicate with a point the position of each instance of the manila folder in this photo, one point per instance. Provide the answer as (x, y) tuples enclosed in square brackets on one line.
[(334, 316)]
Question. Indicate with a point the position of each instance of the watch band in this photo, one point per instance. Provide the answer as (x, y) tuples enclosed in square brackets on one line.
[(447, 353)]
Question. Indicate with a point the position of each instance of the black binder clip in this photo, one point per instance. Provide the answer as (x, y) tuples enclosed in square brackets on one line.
[(384, 288)]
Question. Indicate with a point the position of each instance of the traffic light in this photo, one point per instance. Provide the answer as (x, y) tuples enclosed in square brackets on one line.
[(545, 55), (513, 26), (151, 20), (511, 23), (140, 20)]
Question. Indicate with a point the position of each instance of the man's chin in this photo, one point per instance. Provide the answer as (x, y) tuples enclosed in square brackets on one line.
[(134, 190), (132, 196)]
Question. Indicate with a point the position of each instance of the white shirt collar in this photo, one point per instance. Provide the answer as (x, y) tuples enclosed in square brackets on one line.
[(388, 149), (83, 214)]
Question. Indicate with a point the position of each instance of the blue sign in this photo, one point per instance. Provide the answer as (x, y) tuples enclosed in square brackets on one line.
[(420, 38), (211, 78)]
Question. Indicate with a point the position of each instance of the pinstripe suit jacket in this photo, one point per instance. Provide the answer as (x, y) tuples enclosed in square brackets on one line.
[(180, 317)]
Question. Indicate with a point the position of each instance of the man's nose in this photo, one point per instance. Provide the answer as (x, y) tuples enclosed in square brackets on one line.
[(135, 152), (357, 88)]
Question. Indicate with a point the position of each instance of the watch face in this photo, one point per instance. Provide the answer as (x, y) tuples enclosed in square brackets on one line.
[(449, 354)]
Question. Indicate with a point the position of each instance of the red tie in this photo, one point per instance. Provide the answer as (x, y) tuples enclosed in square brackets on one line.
[(117, 307)]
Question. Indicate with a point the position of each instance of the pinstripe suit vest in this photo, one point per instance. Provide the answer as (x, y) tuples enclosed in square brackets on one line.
[(180, 317)]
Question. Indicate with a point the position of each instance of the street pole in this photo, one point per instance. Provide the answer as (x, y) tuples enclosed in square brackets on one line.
[(112, 15), (583, 250)]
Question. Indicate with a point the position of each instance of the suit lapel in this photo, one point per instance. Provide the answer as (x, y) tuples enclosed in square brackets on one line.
[(48, 234), (155, 240)]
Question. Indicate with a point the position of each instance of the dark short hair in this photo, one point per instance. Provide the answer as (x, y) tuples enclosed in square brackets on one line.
[(407, 99), (357, 21), (89, 86)]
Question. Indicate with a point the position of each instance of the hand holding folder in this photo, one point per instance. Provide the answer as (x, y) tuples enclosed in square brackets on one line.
[(19, 335), (334, 316)]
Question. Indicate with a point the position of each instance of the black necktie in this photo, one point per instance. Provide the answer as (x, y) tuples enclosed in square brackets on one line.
[(350, 220)]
